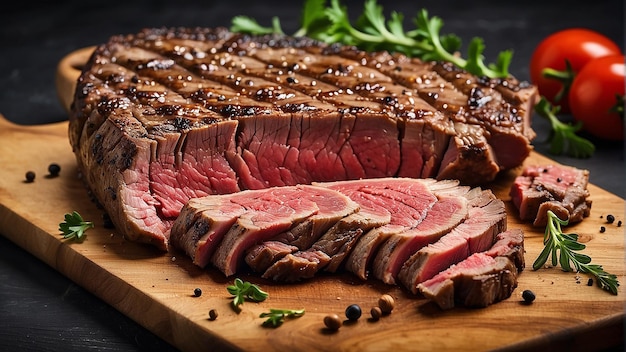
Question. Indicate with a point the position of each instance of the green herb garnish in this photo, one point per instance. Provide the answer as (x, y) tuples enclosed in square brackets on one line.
[(565, 77), (245, 290), (563, 138), (564, 249), (372, 31), (74, 226), (276, 317)]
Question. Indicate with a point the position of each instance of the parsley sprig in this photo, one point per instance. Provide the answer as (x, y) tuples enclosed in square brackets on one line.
[(245, 290), (74, 227), (276, 317), (565, 249), (563, 137), (372, 31)]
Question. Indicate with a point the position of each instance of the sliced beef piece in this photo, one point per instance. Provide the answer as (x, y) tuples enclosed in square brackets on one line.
[(219, 228), (169, 114), (483, 278), (562, 189), (206, 223), (297, 266), (486, 218), (510, 244), (260, 222), (202, 224), (407, 201), (447, 213), (330, 249), (333, 206), (477, 281), (259, 257)]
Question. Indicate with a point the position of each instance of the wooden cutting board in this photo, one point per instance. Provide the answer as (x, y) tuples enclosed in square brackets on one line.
[(156, 289)]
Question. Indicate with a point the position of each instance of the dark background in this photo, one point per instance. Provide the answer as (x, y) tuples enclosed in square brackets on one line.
[(39, 308)]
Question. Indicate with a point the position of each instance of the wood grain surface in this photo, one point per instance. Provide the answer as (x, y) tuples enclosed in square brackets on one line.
[(156, 289)]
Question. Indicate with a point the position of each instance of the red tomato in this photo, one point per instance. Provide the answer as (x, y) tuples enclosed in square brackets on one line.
[(593, 94), (578, 46)]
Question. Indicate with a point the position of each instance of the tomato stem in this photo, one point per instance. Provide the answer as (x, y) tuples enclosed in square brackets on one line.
[(619, 106)]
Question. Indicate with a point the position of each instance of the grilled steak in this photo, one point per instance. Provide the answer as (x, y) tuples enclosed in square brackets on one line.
[(483, 278), (170, 114), (562, 189)]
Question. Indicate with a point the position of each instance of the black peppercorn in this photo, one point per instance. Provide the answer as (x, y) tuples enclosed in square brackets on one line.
[(30, 176), (590, 282), (602, 229), (197, 292), (610, 218), (54, 169), (528, 296), (353, 312), (619, 223)]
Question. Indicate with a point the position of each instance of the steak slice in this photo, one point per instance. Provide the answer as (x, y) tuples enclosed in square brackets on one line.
[(259, 257), (334, 244), (481, 279), (333, 206), (170, 114), (562, 189), (486, 219), (477, 281), (510, 244), (216, 221), (447, 213), (406, 200)]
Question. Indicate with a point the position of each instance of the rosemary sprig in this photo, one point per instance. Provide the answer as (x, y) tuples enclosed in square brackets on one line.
[(565, 249)]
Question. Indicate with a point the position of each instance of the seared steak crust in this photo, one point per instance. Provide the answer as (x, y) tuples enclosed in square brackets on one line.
[(170, 114)]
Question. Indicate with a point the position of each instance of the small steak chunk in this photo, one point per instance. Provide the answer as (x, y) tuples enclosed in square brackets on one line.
[(483, 278), (562, 189)]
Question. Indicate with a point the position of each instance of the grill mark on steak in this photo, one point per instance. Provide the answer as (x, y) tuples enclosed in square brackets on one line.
[(177, 80)]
